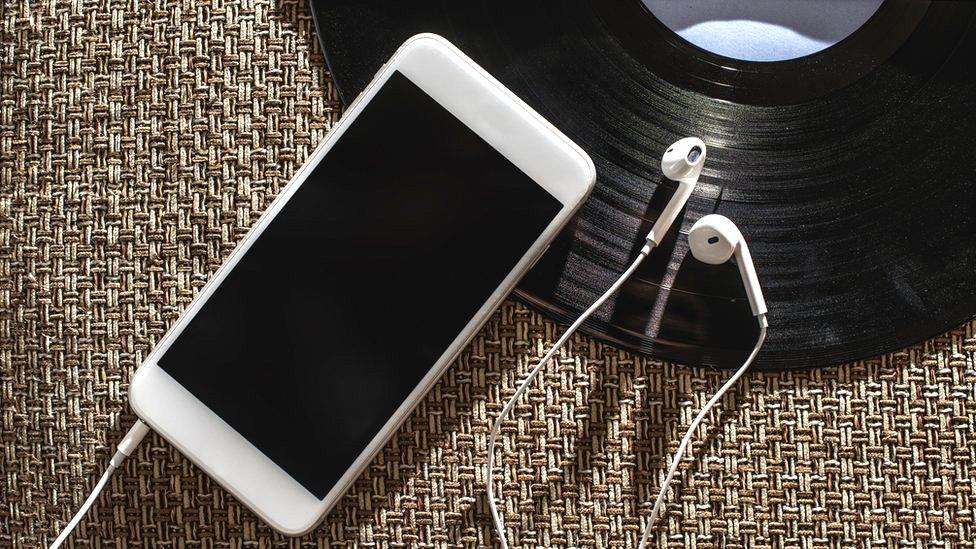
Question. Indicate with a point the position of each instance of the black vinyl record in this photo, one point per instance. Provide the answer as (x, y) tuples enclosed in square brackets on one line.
[(851, 172)]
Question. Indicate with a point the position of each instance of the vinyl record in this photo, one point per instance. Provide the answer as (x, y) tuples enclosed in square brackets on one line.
[(850, 171)]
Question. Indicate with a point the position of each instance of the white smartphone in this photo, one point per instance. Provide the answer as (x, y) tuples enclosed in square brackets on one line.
[(362, 282)]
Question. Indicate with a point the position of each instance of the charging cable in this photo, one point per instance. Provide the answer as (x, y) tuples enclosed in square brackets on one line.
[(129, 443)]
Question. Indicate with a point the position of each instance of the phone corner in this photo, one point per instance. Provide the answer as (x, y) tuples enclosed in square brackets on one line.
[(425, 37), (137, 390), (297, 528), (428, 39), (590, 181), (587, 172)]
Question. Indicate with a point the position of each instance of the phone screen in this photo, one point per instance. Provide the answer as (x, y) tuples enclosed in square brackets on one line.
[(359, 284)]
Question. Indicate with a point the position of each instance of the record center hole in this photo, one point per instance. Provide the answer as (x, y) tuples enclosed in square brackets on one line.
[(713, 240), (764, 31)]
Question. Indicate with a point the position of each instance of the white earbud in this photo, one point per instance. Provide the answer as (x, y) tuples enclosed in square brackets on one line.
[(682, 162), (714, 239)]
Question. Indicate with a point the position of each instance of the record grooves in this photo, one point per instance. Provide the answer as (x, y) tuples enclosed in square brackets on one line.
[(851, 172)]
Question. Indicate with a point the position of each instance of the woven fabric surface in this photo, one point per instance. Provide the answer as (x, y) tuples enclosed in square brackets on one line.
[(139, 141)]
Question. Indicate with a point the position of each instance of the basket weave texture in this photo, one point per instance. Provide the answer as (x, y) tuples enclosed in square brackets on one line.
[(139, 140)]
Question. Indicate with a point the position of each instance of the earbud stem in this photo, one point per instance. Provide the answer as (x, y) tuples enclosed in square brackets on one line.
[(670, 212), (750, 279)]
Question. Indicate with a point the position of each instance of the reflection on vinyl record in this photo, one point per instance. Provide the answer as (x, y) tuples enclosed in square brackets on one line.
[(850, 171)]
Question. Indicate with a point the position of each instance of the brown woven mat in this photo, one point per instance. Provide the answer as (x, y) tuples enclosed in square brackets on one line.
[(139, 142)]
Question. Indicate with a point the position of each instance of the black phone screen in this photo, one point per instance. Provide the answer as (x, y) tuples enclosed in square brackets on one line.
[(359, 284)]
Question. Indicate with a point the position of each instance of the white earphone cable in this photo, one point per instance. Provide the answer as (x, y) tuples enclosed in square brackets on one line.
[(129, 442), (690, 433), (496, 428)]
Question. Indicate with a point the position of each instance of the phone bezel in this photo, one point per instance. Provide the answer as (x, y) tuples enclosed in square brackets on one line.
[(501, 119)]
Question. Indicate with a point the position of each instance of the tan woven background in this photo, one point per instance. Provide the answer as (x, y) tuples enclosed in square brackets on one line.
[(139, 142)]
